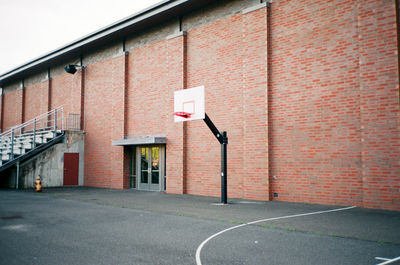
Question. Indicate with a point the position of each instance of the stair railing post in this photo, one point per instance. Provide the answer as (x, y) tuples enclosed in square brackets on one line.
[(55, 123), (34, 134), (17, 177), (12, 144), (62, 119)]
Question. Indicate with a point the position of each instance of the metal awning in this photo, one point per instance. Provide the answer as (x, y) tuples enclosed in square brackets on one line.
[(141, 140)]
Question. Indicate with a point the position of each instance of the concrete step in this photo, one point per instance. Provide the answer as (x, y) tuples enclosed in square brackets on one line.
[(23, 143), (17, 141), (23, 138), (27, 145), (23, 146), (27, 141), (6, 151), (7, 155), (49, 135), (17, 151), (41, 140)]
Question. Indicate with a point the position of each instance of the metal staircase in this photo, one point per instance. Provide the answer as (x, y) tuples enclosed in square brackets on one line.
[(32, 137)]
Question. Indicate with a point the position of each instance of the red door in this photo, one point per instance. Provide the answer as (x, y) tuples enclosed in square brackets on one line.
[(71, 169)]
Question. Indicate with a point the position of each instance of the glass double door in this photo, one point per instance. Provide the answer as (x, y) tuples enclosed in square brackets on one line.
[(149, 170)]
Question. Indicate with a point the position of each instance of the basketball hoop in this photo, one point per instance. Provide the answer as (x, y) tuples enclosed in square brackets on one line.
[(189, 104), (183, 114)]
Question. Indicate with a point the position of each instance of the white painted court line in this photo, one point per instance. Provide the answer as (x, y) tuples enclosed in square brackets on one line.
[(379, 258), (387, 261), (198, 251)]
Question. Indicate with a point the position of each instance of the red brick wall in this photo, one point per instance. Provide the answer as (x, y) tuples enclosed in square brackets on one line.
[(214, 60), (155, 71), (255, 106), (66, 92), (12, 108), (334, 109), (228, 57), (322, 126), (148, 90), (104, 122), (175, 149), (379, 104), (36, 100)]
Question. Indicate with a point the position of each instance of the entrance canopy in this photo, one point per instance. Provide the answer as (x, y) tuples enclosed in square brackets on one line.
[(141, 140)]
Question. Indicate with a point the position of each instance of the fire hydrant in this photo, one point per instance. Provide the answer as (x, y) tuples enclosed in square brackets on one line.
[(38, 183)]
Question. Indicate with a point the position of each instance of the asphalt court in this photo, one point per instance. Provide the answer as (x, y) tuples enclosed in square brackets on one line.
[(96, 226), (282, 247), (292, 248)]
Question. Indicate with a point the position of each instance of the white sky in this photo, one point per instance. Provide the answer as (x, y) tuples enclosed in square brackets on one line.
[(31, 28)]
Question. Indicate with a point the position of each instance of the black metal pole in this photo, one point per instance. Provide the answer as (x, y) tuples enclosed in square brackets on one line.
[(224, 173), (223, 140)]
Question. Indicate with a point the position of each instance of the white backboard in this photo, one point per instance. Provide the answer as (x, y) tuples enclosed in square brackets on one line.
[(191, 101)]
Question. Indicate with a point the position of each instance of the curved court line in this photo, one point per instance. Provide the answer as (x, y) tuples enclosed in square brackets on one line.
[(198, 260), (387, 261)]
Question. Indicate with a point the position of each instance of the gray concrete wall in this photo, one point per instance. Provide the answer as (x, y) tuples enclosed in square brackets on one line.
[(59, 69), (153, 34), (215, 11), (37, 78), (110, 51), (13, 86), (49, 165)]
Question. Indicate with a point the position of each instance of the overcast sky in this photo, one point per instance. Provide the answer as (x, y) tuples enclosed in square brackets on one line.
[(31, 28)]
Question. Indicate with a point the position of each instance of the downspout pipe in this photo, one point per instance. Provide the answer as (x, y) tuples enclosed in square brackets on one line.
[(397, 6), (82, 122)]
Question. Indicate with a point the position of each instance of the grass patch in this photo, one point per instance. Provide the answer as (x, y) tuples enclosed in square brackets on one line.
[(269, 226), (235, 222)]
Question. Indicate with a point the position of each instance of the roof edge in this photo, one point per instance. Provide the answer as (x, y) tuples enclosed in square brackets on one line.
[(152, 11)]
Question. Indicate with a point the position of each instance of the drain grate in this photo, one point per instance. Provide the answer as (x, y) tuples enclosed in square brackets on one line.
[(11, 217)]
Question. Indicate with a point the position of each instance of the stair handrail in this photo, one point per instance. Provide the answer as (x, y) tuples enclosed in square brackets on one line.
[(38, 131), (58, 116)]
